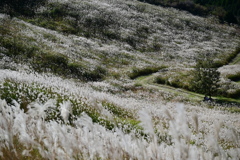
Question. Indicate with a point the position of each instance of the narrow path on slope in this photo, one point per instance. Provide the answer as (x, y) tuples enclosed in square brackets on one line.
[(148, 82)]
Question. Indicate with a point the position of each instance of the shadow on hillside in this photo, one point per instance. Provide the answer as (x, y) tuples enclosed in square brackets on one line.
[(225, 102)]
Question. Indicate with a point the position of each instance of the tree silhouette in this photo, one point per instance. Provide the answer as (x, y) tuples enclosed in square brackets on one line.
[(206, 76)]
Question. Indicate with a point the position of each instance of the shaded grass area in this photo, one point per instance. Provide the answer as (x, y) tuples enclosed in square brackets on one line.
[(234, 104), (104, 26), (137, 72), (55, 18), (44, 60), (235, 94), (60, 65), (234, 77), (226, 59), (57, 25)]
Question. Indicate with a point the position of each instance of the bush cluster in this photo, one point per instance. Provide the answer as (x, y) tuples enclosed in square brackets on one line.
[(137, 72), (181, 81), (234, 77)]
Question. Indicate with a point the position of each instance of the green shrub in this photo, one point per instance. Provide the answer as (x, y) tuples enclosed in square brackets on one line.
[(177, 82), (49, 61), (95, 75), (132, 41), (75, 69), (58, 59), (57, 11), (178, 79), (234, 77), (108, 34), (137, 72), (161, 80), (115, 75), (17, 49)]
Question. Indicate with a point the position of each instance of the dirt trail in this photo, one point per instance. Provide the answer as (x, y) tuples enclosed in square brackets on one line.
[(148, 82)]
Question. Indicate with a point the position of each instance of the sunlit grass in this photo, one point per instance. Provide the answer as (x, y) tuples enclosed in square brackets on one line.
[(77, 82)]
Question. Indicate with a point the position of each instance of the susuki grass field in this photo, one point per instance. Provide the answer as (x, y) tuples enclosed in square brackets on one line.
[(71, 84)]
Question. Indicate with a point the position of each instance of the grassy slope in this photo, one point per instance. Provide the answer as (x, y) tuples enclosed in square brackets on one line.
[(148, 36), (149, 82)]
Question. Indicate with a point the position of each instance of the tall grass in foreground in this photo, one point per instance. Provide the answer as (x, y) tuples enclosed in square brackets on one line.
[(27, 135)]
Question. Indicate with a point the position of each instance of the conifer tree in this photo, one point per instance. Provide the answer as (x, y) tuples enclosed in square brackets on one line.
[(206, 76)]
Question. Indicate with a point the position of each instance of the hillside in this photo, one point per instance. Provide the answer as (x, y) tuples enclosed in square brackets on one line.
[(78, 81)]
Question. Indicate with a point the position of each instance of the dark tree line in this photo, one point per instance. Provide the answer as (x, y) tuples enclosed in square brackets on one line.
[(225, 10), (20, 7)]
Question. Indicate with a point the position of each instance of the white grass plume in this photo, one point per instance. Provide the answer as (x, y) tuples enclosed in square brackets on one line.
[(66, 110), (146, 122), (38, 110)]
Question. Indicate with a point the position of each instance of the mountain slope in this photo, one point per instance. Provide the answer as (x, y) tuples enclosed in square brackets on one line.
[(66, 91)]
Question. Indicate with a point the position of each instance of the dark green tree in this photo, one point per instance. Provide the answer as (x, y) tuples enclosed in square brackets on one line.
[(206, 76)]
